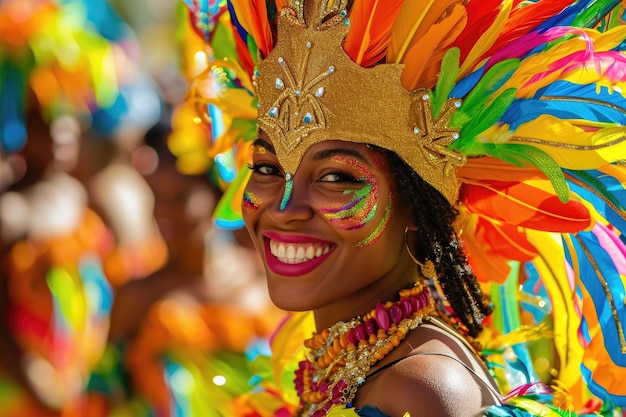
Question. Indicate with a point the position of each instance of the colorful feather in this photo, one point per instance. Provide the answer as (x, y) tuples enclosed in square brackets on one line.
[(423, 57), (480, 16), (414, 20), (370, 30), (525, 19), (487, 39), (529, 204), (599, 256), (252, 16)]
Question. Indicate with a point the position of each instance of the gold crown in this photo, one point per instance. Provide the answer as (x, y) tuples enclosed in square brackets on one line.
[(311, 91)]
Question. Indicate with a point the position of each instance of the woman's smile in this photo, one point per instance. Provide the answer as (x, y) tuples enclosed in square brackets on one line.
[(292, 255)]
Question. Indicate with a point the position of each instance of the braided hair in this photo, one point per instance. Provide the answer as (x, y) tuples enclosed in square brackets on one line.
[(438, 241)]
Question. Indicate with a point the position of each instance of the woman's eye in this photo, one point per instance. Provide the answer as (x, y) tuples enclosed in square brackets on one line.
[(264, 169), (338, 177)]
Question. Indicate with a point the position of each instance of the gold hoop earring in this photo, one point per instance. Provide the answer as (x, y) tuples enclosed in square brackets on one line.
[(428, 267)]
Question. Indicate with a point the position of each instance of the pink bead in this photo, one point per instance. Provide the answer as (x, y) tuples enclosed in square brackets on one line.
[(395, 313), (359, 332), (370, 326), (382, 317), (351, 337), (407, 310)]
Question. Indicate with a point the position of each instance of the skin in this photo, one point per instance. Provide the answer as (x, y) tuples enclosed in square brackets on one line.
[(354, 276)]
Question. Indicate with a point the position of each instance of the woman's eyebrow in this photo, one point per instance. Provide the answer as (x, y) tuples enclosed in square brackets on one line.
[(329, 153), (264, 144)]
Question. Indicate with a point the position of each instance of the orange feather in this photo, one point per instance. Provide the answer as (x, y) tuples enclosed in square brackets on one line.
[(414, 20), (423, 59), (370, 29), (488, 266)]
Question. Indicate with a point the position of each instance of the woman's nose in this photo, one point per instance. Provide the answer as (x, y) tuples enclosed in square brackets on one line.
[(293, 204)]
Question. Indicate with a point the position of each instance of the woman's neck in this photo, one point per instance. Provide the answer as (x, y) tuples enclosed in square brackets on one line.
[(383, 290)]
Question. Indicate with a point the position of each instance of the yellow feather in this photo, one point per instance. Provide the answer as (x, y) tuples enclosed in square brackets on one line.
[(570, 146)]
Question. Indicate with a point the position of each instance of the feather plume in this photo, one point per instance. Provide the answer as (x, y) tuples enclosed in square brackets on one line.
[(252, 15), (525, 19), (423, 58), (370, 30), (487, 265), (480, 16), (584, 150), (414, 20), (593, 13), (487, 39), (530, 204)]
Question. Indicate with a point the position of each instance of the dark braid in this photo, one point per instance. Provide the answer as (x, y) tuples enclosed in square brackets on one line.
[(438, 241)]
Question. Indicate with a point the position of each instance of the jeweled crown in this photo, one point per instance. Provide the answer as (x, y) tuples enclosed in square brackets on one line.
[(311, 91)]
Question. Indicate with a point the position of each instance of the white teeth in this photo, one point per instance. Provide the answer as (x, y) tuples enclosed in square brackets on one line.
[(295, 253)]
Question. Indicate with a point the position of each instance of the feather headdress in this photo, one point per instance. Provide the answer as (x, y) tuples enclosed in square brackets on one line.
[(531, 95)]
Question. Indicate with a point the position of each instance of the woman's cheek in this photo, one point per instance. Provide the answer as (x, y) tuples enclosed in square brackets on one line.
[(250, 203), (362, 206)]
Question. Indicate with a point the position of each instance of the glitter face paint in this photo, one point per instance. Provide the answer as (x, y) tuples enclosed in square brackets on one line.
[(362, 208), (372, 238), (288, 191), (250, 202)]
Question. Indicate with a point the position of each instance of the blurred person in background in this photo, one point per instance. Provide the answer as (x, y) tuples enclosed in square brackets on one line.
[(61, 78), (183, 336)]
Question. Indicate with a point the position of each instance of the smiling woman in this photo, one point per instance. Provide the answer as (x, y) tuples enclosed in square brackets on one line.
[(416, 167)]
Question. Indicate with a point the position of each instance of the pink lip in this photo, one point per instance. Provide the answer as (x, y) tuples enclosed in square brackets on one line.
[(291, 270)]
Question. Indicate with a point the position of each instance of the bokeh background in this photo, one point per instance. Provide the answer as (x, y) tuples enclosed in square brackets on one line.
[(118, 295)]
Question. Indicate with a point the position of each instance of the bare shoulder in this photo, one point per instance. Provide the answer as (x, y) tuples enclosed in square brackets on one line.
[(427, 385), (437, 378)]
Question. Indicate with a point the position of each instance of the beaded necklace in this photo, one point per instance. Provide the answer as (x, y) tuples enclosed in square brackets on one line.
[(341, 356)]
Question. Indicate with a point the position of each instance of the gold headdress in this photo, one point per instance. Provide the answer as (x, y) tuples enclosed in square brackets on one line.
[(311, 91), (514, 111)]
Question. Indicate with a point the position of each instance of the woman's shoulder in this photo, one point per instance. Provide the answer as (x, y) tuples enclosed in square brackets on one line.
[(427, 385), (437, 375)]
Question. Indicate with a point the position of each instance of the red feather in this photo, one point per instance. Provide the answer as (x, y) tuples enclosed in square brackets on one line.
[(480, 16), (524, 19), (520, 204)]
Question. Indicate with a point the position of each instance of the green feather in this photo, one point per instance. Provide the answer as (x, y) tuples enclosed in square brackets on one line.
[(521, 155), (223, 43), (481, 121), (447, 79), (594, 13), (483, 91)]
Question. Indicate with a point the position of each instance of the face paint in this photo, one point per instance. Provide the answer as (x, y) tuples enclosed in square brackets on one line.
[(362, 207), (288, 190), (379, 229), (250, 202)]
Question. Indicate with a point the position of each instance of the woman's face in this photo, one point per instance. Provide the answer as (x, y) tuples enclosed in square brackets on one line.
[(336, 235)]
